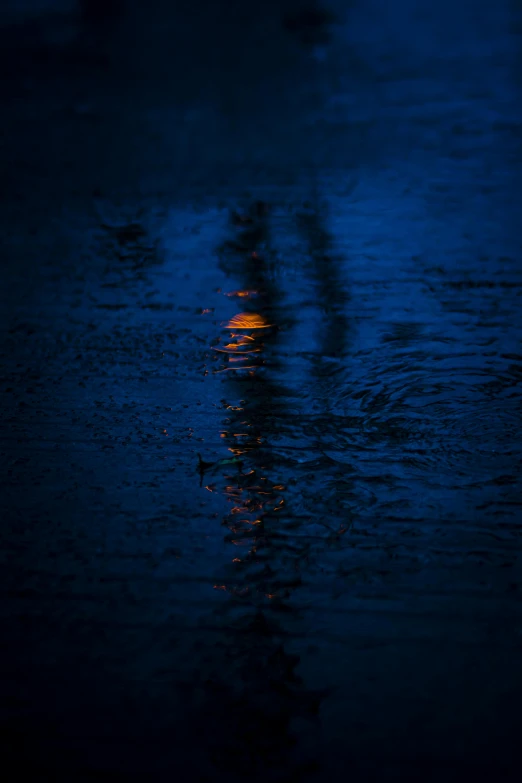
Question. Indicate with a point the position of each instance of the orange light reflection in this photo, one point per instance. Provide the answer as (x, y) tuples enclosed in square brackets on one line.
[(234, 352), (245, 293), (248, 321)]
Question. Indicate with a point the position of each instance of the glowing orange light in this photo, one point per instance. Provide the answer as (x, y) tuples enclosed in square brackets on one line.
[(242, 294), (220, 587), (232, 348), (248, 321)]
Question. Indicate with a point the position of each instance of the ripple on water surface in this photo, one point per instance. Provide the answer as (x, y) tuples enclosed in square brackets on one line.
[(364, 394)]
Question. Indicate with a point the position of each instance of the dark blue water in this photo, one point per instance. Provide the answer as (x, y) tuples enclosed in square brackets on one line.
[(261, 392)]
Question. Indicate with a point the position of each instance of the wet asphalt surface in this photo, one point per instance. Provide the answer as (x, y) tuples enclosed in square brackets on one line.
[(260, 392)]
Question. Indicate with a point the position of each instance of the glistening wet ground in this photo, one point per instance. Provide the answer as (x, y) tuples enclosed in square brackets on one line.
[(261, 400)]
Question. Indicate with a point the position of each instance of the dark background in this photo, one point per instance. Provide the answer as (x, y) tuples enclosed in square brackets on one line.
[(283, 236)]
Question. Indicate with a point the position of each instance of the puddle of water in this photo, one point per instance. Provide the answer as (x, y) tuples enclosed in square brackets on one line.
[(356, 412), (304, 399)]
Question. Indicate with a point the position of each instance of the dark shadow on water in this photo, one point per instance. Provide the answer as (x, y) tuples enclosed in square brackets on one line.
[(330, 288), (309, 23), (256, 696)]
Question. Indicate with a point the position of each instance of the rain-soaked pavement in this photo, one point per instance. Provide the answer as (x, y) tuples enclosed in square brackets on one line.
[(261, 403)]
